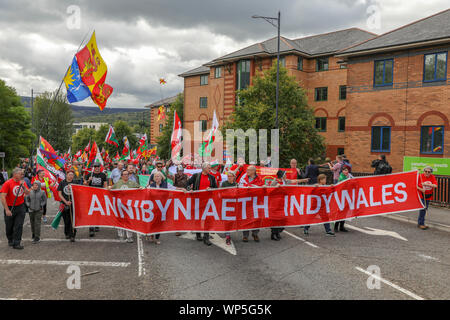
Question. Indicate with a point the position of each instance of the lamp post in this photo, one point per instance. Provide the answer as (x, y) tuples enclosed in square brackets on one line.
[(277, 25)]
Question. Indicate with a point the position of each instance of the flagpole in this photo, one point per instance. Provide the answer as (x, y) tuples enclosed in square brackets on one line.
[(30, 163)]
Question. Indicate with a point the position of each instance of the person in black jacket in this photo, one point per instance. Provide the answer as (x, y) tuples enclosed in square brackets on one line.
[(381, 165), (311, 172), (202, 181)]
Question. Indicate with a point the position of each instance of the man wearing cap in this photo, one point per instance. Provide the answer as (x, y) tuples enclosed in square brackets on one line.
[(13, 201), (98, 180)]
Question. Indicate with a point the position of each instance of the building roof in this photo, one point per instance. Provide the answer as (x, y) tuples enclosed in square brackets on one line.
[(195, 72), (165, 101), (322, 44), (429, 29)]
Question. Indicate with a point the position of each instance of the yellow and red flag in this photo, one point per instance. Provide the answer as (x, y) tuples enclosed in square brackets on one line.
[(161, 113), (93, 72), (162, 81)]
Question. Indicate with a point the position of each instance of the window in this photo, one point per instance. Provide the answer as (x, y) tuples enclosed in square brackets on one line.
[(218, 72), (432, 139), (203, 102), (321, 124), (243, 74), (435, 67), (343, 66), (203, 125), (340, 150), (321, 64), (321, 94), (384, 72), (161, 126), (381, 139), (341, 124), (342, 92), (300, 63), (204, 80)]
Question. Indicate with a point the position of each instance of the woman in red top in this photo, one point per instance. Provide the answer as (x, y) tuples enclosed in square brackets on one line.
[(427, 182)]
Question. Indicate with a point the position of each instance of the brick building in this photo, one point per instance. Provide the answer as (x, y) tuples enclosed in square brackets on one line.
[(398, 94), (340, 71), (156, 125)]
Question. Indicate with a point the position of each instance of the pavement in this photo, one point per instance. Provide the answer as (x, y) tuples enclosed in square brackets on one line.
[(378, 259), (436, 217)]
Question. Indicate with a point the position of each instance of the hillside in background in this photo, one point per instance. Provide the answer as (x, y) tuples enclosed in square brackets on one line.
[(133, 116)]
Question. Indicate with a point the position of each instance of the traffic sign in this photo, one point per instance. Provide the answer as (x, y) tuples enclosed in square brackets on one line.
[(2, 154)]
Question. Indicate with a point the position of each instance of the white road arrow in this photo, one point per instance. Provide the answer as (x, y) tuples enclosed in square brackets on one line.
[(377, 232), (215, 240)]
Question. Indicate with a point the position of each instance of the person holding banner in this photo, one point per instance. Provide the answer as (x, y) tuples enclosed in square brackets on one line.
[(66, 206), (427, 182), (279, 181), (13, 201), (125, 183), (203, 181), (297, 177), (229, 183), (250, 179), (345, 174), (322, 181), (97, 179)]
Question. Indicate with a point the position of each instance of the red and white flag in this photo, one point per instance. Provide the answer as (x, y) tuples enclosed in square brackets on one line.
[(175, 140)]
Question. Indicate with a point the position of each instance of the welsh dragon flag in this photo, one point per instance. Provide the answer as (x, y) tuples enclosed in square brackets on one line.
[(111, 137), (142, 144), (175, 140), (207, 146), (126, 146), (94, 156)]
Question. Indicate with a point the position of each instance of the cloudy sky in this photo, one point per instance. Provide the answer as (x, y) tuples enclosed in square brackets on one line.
[(142, 41)]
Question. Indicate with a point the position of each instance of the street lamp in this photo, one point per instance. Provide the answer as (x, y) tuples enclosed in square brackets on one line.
[(271, 20)]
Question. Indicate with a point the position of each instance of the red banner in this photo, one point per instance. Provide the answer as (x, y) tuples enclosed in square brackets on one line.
[(230, 209)]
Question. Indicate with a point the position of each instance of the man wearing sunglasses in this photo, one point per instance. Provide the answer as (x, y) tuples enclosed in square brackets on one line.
[(427, 183)]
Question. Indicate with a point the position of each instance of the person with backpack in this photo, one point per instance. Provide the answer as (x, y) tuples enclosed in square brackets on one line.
[(381, 165)]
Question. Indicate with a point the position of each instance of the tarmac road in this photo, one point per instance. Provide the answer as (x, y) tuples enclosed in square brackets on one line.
[(297, 267)]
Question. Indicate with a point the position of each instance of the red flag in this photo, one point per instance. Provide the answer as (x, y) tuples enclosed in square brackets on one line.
[(175, 140)]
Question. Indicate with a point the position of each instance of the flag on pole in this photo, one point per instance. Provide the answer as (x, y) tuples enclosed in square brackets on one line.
[(206, 147), (126, 146), (76, 89), (175, 139), (44, 145), (93, 72), (111, 137), (88, 147)]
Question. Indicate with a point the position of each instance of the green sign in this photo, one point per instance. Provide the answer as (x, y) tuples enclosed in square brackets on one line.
[(441, 166)]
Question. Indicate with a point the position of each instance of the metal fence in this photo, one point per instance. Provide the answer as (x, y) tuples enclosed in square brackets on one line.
[(441, 195)]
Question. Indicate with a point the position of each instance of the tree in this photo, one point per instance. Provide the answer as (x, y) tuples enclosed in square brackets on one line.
[(81, 139), (16, 138), (298, 137), (54, 125), (163, 141)]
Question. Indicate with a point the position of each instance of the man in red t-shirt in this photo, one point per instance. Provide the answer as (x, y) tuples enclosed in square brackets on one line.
[(203, 181), (427, 182), (12, 196)]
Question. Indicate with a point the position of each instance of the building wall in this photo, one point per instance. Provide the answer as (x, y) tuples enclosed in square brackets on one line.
[(405, 106)]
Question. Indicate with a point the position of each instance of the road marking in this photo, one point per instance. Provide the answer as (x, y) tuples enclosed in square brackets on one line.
[(66, 263), (428, 257), (140, 247), (78, 240), (301, 239), (377, 232), (215, 240), (393, 285)]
